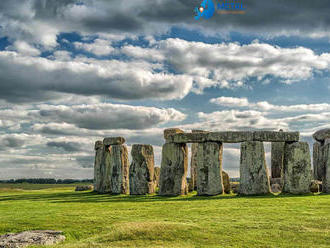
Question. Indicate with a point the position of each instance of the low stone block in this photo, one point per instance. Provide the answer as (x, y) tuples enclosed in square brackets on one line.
[(141, 171), (322, 134), (209, 167), (173, 171), (296, 168), (254, 178), (113, 141)]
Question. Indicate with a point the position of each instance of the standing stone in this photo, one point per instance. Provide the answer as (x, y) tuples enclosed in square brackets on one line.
[(99, 149), (193, 161), (119, 169), (156, 177), (326, 177), (297, 168), (254, 178), (226, 182), (141, 171), (173, 171), (106, 170), (277, 154), (209, 167), (318, 164)]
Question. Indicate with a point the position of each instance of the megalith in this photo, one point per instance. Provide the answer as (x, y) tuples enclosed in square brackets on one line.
[(99, 151), (318, 161), (226, 182), (277, 154), (209, 168), (254, 178), (173, 170), (296, 168), (326, 177), (141, 171), (156, 177)]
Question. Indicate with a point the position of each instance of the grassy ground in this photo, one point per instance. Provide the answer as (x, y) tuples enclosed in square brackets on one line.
[(92, 220)]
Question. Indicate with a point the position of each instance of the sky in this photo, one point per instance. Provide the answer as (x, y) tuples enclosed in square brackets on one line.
[(75, 71)]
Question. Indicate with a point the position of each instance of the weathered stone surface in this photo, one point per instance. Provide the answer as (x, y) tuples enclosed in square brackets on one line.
[(28, 238), (141, 171), (277, 180), (83, 187), (254, 178), (322, 134), (326, 141), (171, 131), (277, 154), (318, 164), (113, 141), (296, 168), (233, 137), (326, 177), (193, 162), (235, 187), (190, 184), (156, 176), (209, 167), (315, 186), (226, 182), (106, 170), (276, 188), (98, 176), (119, 169), (173, 171)]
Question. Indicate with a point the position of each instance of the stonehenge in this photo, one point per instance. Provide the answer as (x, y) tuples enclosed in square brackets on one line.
[(290, 164), (321, 158)]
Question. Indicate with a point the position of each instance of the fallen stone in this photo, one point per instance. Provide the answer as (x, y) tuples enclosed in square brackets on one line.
[(226, 182), (114, 141), (296, 168), (277, 154), (29, 238), (322, 134), (315, 186), (235, 187), (209, 167), (233, 137), (277, 180), (171, 131), (326, 178), (141, 171), (83, 187), (99, 151), (276, 188), (254, 178), (119, 169), (173, 170)]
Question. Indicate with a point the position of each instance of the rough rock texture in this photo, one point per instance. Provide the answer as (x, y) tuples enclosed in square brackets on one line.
[(170, 131), (113, 141), (276, 188), (326, 141), (315, 186), (277, 154), (106, 171), (83, 187), (296, 168), (326, 178), (141, 171), (156, 176), (99, 151), (209, 167), (233, 137), (318, 166), (235, 187), (190, 185), (322, 134), (254, 178), (28, 238), (173, 170), (226, 182), (119, 169), (277, 180)]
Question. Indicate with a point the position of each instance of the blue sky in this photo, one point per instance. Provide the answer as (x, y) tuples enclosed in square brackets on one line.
[(73, 72)]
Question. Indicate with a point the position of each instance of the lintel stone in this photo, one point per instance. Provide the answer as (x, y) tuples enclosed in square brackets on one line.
[(113, 141)]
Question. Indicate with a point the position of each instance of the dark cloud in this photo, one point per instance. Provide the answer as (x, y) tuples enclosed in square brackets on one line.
[(66, 146), (85, 161)]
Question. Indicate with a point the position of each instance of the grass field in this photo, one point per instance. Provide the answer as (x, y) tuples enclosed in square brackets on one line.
[(92, 220)]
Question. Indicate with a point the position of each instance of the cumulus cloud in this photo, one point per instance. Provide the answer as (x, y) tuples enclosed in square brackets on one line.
[(99, 47)]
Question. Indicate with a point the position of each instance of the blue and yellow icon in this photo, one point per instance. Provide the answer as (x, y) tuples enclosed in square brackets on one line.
[(205, 10)]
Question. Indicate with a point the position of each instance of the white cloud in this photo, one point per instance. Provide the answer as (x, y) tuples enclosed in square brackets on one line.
[(99, 47)]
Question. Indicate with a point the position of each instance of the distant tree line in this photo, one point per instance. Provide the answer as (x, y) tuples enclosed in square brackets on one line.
[(47, 181)]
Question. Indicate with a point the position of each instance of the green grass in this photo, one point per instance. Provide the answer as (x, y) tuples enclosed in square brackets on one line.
[(93, 220)]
